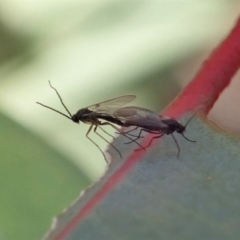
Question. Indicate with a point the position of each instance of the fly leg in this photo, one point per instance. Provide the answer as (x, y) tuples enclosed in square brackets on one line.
[(137, 137), (121, 132), (160, 135), (128, 133), (187, 138), (89, 130), (175, 140), (106, 132), (95, 130)]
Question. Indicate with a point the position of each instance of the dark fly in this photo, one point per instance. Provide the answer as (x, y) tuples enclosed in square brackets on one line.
[(92, 115), (151, 122)]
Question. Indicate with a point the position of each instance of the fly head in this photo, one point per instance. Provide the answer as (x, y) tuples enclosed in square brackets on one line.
[(81, 115)]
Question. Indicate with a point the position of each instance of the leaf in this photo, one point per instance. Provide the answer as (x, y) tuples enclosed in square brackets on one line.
[(195, 196)]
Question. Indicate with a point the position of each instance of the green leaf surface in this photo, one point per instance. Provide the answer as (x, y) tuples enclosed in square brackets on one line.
[(35, 183), (160, 196)]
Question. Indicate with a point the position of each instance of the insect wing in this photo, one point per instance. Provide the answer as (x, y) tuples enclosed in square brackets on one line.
[(110, 106), (140, 117)]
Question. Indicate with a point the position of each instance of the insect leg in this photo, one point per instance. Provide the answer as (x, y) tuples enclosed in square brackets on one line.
[(160, 135), (131, 130), (106, 132), (137, 137), (187, 138), (95, 130), (176, 144), (121, 132), (128, 133), (89, 130)]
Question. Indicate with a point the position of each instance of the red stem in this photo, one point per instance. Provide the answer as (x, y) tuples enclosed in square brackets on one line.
[(214, 76)]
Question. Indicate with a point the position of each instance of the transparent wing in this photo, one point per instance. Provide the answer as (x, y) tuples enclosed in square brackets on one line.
[(140, 117), (110, 106)]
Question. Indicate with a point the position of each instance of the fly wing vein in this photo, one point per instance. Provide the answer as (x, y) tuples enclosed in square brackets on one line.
[(110, 106), (139, 117)]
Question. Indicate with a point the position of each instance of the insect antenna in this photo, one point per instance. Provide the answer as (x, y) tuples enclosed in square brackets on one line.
[(191, 118), (61, 102), (187, 124), (60, 99)]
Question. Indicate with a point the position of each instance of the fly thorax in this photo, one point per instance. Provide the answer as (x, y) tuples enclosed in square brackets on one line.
[(171, 125), (181, 128)]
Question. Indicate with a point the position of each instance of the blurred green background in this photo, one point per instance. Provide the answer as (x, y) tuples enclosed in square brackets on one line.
[(91, 51)]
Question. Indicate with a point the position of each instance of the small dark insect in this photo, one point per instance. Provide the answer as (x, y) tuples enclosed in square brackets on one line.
[(106, 110), (151, 122)]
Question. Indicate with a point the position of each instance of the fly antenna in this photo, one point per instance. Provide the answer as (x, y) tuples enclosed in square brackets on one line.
[(187, 124), (61, 99), (191, 118), (54, 110), (61, 102)]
